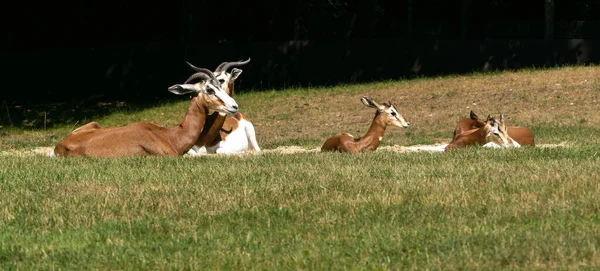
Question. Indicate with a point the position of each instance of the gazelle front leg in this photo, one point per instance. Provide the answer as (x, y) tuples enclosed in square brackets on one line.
[(224, 149), (195, 150)]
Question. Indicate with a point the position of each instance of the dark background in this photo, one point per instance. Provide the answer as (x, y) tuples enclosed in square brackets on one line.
[(81, 53)]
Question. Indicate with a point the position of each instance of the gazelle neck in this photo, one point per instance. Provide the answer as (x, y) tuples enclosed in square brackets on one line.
[(231, 88), (375, 133), (186, 133), (481, 135), (214, 122), (211, 130)]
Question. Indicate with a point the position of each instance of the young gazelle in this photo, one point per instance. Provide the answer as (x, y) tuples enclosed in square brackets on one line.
[(144, 138), (226, 134), (385, 115), (490, 134), (522, 135)]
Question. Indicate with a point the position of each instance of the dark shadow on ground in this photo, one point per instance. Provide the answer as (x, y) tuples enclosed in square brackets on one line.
[(76, 113), (44, 87)]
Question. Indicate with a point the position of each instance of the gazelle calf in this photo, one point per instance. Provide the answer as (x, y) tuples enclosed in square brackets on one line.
[(144, 138), (226, 134), (491, 134), (522, 135), (385, 115)]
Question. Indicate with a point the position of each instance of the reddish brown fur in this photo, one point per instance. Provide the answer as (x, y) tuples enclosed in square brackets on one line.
[(345, 142), (469, 137), (227, 125), (479, 136), (522, 135), (213, 132), (231, 124), (140, 138)]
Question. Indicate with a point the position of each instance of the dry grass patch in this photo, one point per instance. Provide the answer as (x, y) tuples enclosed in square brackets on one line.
[(562, 97), (532, 98)]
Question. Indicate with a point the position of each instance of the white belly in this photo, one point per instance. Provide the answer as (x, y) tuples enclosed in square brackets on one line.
[(237, 141)]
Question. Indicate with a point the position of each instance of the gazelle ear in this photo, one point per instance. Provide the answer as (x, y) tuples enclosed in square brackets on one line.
[(366, 100), (370, 103), (235, 72), (473, 116), (501, 117), (181, 89)]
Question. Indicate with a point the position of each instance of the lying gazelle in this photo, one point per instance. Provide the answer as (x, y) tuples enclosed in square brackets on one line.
[(490, 134), (226, 134), (236, 135), (385, 115), (143, 138), (522, 135)]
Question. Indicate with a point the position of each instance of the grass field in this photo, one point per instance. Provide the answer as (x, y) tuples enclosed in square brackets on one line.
[(529, 208)]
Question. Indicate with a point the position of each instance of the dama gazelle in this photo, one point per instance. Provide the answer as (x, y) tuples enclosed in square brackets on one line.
[(144, 138), (226, 134), (385, 115), (490, 134), (522, 135)]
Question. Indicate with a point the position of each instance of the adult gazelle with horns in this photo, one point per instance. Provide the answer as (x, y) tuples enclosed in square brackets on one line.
[(226, 134), (144, 138)]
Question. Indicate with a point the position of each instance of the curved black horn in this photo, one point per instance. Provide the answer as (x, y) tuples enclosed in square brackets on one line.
[(192, 66), (223, 67), (197, 75), (207, 71)]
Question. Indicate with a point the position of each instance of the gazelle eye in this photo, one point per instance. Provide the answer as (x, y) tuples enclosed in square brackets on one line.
[(394, 114), (210, 90), (221, 81)]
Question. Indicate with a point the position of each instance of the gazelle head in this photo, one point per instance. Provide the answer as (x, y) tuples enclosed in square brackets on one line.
[(387, 112), (205, 85), (226, 79), (497, 133)]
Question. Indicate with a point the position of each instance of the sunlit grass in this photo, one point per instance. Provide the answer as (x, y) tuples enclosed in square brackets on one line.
[(473, 208), (529, 208)]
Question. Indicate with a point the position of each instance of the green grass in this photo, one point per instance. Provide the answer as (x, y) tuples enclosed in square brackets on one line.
[(473, 208), (470, 209)]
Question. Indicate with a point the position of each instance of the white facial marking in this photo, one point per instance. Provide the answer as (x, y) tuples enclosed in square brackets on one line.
[(222, 78), (506, 141), (228, 102), (494, 131)]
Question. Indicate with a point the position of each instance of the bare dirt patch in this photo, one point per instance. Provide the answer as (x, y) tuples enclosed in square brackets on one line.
[(44, 151), (395, 148)]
